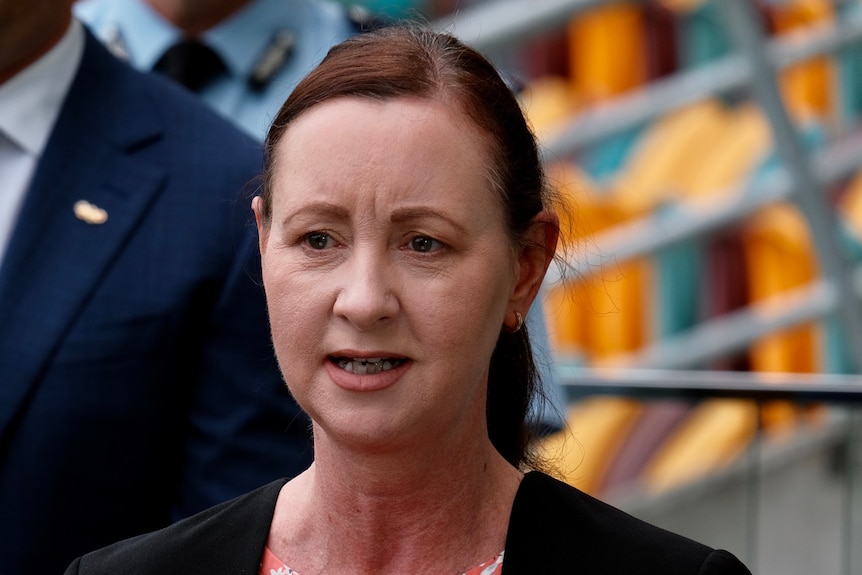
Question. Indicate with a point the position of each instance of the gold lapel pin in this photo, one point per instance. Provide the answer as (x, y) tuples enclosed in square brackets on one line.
[(90, 213)]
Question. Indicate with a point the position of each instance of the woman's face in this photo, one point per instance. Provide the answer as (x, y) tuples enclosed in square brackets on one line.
[(388, 270)]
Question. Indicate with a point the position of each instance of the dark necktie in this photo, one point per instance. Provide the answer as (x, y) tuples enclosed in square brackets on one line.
[(190, 63)]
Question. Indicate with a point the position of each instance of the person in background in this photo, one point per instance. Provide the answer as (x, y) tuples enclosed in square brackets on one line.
[(137, 380), (405, 228), (243, 57)]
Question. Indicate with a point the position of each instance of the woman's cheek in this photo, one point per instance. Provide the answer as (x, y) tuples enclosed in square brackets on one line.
[(285, 311)]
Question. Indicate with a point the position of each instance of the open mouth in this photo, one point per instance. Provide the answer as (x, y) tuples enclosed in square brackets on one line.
[(368, 365)]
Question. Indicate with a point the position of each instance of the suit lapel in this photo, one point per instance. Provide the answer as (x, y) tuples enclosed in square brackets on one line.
[(57, 256)]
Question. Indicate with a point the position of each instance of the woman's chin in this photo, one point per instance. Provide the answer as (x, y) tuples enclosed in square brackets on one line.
[(367, 431)]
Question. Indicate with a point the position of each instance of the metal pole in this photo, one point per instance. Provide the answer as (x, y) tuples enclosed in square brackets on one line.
[(853, 510), (743, 24)]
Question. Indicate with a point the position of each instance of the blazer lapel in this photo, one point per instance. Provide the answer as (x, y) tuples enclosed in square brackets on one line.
[(58, 252)]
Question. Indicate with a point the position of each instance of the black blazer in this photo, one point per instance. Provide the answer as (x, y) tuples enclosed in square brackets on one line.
[(554, 529)]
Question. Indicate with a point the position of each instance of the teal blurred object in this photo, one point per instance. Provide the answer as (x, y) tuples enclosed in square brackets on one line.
[(603, 159), (397, 9), (679, 269), (836, 354), (849, 69), (701, 36)]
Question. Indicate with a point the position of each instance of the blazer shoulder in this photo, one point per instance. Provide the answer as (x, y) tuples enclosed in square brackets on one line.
[(227, 538), (138, 108), (562, 529)]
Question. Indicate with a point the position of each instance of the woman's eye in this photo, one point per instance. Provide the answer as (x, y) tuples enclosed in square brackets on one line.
[(425, 244), (317, 240)]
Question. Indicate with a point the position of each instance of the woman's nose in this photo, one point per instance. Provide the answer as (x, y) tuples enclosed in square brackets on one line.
[(366, 294)]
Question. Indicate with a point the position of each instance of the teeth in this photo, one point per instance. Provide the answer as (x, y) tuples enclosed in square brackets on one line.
[(368, 365)]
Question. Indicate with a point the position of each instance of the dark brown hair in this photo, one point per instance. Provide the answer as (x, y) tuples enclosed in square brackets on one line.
[(407, 60)]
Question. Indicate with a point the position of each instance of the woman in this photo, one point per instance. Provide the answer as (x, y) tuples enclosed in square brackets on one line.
[(404, 232)]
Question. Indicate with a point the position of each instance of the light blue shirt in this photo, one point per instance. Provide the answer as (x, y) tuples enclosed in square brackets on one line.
[(30, 103), (132, 29)]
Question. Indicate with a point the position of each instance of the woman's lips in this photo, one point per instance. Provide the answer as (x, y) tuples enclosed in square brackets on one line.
[(366, 373)]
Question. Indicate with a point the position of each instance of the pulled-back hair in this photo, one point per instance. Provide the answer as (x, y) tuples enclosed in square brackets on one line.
[(407, 60)]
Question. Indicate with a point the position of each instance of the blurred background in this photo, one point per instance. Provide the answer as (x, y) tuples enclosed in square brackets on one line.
[(705, 322)]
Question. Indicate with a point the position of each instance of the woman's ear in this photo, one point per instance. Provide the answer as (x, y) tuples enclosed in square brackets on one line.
[(534, 258), (262, 230)]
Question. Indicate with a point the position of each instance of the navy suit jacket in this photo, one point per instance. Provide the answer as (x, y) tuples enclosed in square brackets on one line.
[(554, 529), (137, 379)]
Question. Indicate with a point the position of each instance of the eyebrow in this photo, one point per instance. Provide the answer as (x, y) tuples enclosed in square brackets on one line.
[(334, 211), (319, 209), (402, 215)]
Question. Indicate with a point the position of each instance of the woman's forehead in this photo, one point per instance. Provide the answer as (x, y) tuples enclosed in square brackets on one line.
[(362, 131), (403, 149)]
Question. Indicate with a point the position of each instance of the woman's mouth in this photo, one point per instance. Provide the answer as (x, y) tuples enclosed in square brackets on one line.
[(367, 365)]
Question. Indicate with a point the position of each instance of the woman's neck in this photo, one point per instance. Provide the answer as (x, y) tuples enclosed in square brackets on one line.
[(373, 514)]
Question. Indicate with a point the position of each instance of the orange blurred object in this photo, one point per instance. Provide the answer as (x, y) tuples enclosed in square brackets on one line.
[(808, 86), (607, 53)]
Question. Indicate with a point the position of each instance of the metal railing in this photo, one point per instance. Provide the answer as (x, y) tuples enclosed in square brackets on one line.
[(500, 25), (695, 385), (782, 506), (664, 369)]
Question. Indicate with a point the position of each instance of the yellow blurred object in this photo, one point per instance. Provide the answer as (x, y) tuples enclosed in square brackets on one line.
[(565, 322), (678, 143), (807, 87), (738, 149), (779, 256), (548, 103), (600, 313), (618, 301), (606, 51), (596, 429), (851, 204), (713, 437)]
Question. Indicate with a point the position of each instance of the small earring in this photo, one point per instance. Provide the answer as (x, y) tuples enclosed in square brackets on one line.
[(520, 324)]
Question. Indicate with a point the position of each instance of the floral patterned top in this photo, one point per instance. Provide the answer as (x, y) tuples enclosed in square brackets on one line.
[(272, 565)]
